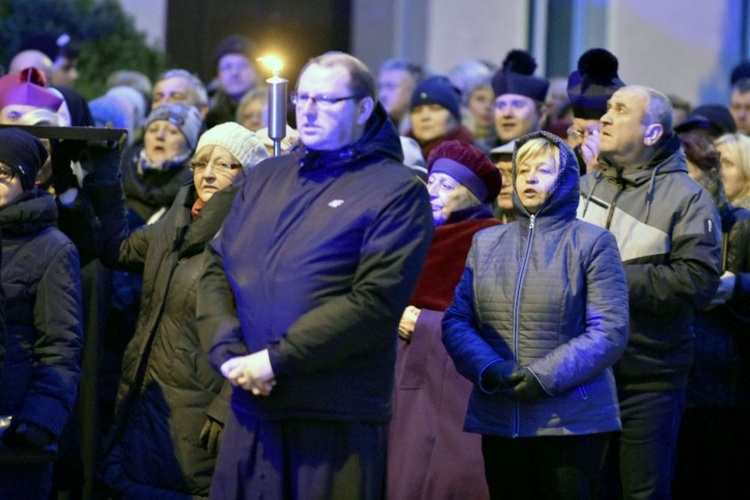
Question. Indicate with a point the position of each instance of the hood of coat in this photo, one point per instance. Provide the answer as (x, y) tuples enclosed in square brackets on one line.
[(34, 211), (562, 200), (379, 141)]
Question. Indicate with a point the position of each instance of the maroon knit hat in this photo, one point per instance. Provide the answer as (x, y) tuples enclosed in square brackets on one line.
[(469, 166)]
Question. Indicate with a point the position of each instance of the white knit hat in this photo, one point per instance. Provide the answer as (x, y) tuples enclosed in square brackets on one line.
[(241, 142)]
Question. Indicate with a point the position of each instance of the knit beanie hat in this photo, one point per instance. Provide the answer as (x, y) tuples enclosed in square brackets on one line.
[(22, 152), (593, 83), (181, 115), (241, 142), (28, 88), (236, 44), (438, 90), (516, 76), (469, 166)]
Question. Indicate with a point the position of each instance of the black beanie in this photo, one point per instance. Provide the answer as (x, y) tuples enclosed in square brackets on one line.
[(438, 90), (236, 44), (22, 152), (740, 72), (593, 83), (517, 77)]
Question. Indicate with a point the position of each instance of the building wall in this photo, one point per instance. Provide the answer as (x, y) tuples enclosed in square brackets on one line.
[(687, 48)]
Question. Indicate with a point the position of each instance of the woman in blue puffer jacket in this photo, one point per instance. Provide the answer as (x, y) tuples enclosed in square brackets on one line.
[(538, 319)]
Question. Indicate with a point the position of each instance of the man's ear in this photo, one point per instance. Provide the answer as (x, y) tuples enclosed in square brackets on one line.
[(366, 107), (654, 132)]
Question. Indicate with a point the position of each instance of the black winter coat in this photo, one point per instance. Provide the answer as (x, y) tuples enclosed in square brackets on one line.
[(721, 372), (168, 387), (41, 278)]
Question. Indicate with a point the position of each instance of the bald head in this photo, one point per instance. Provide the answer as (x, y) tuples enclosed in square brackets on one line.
[(30, 59)]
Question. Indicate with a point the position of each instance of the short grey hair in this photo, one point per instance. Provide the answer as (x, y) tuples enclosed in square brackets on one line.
[(199, 89)]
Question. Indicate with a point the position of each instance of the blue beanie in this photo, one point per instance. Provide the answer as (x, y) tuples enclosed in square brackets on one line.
[(438, 90)]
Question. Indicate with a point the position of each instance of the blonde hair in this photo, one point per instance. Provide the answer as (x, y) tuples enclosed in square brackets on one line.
[(538, 146), (739, 148)]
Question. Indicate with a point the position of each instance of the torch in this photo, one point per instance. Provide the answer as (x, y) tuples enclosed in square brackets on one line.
[(276, 102)]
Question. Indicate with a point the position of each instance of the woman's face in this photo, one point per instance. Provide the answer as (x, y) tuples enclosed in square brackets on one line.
[(10, 185), (534, 180), (431, 121), (735, 183), (163, 141), (446, 196), (252, 114), (482, 106), (214, 168)]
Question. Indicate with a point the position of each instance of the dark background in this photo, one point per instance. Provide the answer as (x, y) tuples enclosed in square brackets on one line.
[(294, 30)]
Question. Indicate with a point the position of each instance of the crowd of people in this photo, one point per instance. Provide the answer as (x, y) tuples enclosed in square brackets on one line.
[(444, 286)]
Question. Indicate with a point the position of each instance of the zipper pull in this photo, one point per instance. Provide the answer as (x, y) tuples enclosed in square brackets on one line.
[(531, 221)]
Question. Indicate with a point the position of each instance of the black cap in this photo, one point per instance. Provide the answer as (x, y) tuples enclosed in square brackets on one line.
[(715, 118), (740, 72)]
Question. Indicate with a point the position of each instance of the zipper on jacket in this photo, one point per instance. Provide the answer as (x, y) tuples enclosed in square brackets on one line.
[(516, 314), (582, 390), (612, 206)]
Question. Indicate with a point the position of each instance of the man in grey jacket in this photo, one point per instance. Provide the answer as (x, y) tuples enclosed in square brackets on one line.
[(666, 228)]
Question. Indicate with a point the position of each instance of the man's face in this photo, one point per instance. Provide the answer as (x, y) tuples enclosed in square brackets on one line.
[(64, 72), (236, 75), (174, 89), (395, 87), (431, 121), (623, 132), (739, 105), (515, 116), (328, 126)]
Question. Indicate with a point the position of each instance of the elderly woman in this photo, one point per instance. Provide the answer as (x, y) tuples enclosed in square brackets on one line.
[(436, 115), (735, 168), (154, 171), (428, 452), (538, 319), (169, 413), (42, 284)]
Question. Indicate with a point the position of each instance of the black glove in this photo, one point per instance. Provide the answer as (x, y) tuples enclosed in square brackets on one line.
[(63, 153), (211, 435), (28, 435), (529, 389), (502, 375), (102, 159)]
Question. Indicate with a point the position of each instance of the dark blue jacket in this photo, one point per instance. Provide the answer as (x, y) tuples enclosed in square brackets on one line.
[(320, 254), (41, 278)]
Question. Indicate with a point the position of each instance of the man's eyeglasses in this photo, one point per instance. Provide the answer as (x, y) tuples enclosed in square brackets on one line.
[(582, 134), (7, 174), (220, 167), (321, 101)]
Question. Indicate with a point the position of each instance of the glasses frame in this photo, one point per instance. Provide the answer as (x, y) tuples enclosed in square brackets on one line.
[(321, 101)]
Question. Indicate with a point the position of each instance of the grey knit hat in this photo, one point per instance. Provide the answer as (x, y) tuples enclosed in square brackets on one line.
[(241, 142), (183, 116)]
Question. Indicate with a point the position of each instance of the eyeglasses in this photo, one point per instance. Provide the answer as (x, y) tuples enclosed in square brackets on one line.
[(321, 101), (220, 167), (582, 134), (7, 174)]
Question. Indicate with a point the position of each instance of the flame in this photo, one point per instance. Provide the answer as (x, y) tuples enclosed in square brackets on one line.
[(273, 63)]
